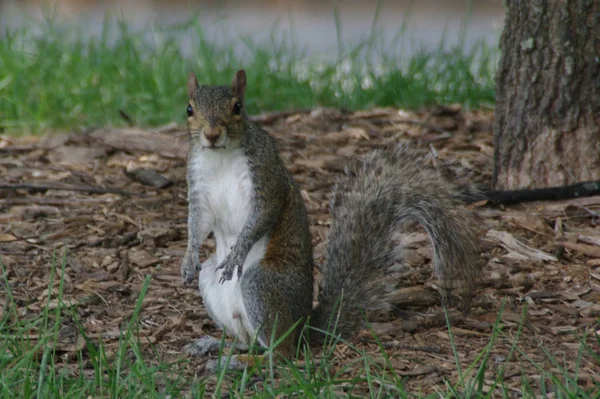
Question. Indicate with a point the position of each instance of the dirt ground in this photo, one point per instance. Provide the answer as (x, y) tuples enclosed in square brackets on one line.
[(116, 200)]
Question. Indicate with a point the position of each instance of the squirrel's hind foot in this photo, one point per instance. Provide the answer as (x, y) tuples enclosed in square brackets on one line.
[(228, 363), (207, 345), (189, 267)]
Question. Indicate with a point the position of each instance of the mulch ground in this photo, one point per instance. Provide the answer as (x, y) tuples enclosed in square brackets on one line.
[(115, 199)]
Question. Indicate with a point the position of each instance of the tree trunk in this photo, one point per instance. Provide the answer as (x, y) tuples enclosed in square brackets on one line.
[(547, 128)]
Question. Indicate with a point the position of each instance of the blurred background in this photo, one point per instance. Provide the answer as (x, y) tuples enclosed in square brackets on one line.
[(66, 63), (314, 24)]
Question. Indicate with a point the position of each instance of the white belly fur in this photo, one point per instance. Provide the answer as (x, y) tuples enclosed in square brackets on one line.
[(225, 192)]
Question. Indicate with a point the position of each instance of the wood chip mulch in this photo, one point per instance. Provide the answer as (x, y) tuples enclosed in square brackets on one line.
[(115, 199)]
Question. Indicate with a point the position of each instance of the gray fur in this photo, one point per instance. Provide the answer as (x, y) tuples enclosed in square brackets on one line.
[(232, 362), (276, 299), (207, 345), (370, 202), (281, 286)]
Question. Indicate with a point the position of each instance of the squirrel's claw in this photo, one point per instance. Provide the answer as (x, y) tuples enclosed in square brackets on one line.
[(189, 267), (228, 267), (226, 275)]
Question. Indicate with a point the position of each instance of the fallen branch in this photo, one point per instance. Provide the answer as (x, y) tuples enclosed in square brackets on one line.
[(132, 139), (267, 118), (7, 150), (577, 190), (39, 200), (574, 191), (62, 187)]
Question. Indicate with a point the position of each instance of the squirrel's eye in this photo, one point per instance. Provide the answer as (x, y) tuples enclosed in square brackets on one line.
[(190, 110), (237, 108)]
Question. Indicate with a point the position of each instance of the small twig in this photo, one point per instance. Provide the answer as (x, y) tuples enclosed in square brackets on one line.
[(445, 133), (62, 187), (128, 239), (418, 372), (426, 349), (30, 199), (395, 121), (17, 148), (270, 117), (588, 250)]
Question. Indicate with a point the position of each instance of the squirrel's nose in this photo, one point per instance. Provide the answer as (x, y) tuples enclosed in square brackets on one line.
[(212, 133)]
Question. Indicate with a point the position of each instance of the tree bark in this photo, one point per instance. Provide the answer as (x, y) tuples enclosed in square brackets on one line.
[(547, 118)]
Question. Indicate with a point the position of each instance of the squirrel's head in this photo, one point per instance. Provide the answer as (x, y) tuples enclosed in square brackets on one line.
[(216, 114)]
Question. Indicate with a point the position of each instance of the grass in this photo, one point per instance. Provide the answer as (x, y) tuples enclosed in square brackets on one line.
[(32, 364), (58, 79)]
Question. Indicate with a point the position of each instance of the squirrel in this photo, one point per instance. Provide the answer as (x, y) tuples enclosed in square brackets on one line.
[(260, 279)]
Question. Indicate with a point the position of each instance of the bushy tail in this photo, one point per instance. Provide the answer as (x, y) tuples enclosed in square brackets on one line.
[(369, 204)]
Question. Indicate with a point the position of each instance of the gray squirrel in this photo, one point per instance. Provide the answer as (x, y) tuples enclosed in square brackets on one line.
[(260, 278)]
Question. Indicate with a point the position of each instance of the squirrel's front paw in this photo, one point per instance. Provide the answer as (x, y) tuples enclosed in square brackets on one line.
[(228, 266), (189, 267)]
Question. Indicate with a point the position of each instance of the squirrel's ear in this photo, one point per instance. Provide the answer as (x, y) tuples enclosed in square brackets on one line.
[(192, 85), (239, 84)]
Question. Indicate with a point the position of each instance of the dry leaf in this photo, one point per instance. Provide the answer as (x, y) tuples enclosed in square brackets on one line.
[(7, 237)]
